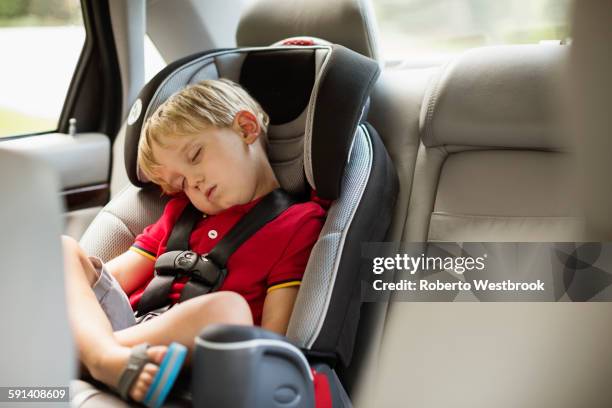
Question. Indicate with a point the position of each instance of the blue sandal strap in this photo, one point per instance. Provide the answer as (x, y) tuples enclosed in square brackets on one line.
[(167, 374)]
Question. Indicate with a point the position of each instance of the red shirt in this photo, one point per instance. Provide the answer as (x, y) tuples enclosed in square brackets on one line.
[(273, 257)]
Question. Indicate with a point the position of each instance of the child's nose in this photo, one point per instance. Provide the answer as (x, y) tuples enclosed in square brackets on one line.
[(194, 182)]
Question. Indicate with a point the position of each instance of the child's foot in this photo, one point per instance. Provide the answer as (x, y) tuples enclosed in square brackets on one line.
[(110, 366)]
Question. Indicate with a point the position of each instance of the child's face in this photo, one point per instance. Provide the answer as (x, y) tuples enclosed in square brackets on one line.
[(216, 169)]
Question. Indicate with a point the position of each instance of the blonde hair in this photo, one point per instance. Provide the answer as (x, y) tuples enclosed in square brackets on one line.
[(213, 102)]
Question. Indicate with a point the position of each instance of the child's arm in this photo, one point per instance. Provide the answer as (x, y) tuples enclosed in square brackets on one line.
[(131, 270), (277, 309), (285, 277)]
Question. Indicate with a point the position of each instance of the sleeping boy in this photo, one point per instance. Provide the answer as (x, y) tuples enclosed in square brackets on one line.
[(205, 145)]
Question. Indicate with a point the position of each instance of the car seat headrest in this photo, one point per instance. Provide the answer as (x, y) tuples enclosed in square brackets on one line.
[(350, 23), (503, 96), (315, 96)]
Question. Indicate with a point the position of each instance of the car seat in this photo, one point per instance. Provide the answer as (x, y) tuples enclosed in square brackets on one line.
[(317, 99)]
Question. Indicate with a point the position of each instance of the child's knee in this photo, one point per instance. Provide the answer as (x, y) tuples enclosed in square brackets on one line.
[(74, 255), (231, 307), (71, 247), (69, 244)]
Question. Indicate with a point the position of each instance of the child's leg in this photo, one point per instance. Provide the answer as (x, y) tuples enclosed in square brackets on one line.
[(98, 350), (89, 323), (105, 353), (184, 321)]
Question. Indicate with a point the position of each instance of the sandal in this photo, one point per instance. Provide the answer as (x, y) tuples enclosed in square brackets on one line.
[(169, 370)]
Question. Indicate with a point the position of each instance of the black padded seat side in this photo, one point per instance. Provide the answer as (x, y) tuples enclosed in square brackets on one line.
[(346, 84)]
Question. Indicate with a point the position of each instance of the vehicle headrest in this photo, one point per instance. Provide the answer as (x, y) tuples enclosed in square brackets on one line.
[(350, 23), (503, 96), (315, 96)]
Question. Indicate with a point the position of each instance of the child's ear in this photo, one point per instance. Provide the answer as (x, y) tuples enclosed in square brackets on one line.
[(247, 126)]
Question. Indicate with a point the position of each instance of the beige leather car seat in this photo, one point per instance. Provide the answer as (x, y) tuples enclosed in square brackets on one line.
[(495, 164)]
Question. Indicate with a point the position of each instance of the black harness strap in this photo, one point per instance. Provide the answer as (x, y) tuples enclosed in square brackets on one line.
[(179, 237), (270, 207), (207, 272), (157, 291)]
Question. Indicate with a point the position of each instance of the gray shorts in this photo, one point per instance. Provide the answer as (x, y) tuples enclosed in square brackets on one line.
[(112, 298)]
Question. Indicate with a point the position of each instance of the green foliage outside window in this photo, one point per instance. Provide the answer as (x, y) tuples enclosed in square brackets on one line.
[(16, 13)]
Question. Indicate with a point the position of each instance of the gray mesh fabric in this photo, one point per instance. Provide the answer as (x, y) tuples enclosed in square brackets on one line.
[(229, 65), (286, 153), (194, 71), (290, 175), (208, 71), (317, 285), (112, 237), (125, 216)]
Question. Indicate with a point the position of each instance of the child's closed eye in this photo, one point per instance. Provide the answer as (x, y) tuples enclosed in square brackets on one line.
[(195, 157)]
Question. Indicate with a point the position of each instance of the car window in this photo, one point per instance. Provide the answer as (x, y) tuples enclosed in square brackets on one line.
[(416, 28), (40, 44)]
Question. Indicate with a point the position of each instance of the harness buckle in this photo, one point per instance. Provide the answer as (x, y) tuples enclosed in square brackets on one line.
[(188, 263)]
